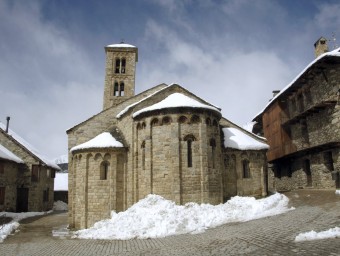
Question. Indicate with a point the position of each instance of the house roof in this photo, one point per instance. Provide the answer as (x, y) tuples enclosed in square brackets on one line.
[(103, 140), (8, 155), (332, 54), (238, 139), (28, 147)]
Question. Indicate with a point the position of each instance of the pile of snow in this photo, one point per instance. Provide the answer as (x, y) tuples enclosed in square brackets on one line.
[(60, 206), (103, 140), (156, 217), (8, 228), (312, 235), (337, 192), (61, 182), (235, 138)]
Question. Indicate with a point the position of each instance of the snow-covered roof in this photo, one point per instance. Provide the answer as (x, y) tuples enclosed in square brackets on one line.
[(334, 53), (6, 154), (29, 147), (121, 45), (61, 182), (134, 104), (235, 138), (176, 100), (103, 140)]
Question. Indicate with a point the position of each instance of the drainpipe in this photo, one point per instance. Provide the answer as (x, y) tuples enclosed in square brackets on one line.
[(7, 118)]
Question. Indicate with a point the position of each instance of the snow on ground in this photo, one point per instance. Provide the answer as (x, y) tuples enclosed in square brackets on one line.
[(337, 192), (60, 206), (155, 216), (312, 235), (8, 228)]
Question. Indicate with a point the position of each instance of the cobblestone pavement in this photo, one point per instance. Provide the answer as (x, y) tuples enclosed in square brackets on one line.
[(315, 210)]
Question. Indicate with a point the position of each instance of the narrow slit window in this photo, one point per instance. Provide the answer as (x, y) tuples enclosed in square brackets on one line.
[(123, 66), (189, 145), (143, 155), (213, 149), (116, 89), (121, 92), (117, 68), (246, 170), (104, 168)]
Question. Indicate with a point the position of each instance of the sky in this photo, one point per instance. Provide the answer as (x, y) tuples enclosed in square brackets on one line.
[(232, 53)]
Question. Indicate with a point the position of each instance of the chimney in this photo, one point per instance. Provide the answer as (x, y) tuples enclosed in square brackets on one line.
[(275, 92), (320, 46), (7, 118)]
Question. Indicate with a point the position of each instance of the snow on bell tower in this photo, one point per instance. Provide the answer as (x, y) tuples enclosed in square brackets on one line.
[(120, 72)]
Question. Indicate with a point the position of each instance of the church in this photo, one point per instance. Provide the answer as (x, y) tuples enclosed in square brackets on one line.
[(165, 141)]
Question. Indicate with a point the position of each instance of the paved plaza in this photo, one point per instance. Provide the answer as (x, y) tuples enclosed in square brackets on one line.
[(317, 210)]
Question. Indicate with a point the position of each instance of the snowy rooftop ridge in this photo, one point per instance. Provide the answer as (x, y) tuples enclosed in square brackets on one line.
[(334, 53), (29, 147), (176, 100), (235, 138), (103, 140), (121, 45), (6, 154), (134, 104)]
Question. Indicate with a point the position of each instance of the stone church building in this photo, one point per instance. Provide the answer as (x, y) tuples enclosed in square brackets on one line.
[(164, 141)]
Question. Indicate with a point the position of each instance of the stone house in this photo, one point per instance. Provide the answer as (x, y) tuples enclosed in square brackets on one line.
[(164, 141), (27, 178), (302, 126)]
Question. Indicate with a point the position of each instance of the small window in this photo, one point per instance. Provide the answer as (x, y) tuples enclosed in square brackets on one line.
[(117, 68), (104, 168), (52, 174), (123, 66), (213, 149), (189, 139), (116, 89), (143, 154), (245, 167), (121, 91), (2, 167), (2, 195), (35, 173)]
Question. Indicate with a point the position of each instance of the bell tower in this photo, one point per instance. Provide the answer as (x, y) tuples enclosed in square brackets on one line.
[(120, 72)]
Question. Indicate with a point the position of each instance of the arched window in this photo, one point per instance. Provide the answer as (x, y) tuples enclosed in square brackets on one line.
[(120, 66), (123, 66), (189, 139), (245, 168), (213, 149), (104, 169), (117, 67), (143, 154), (116, 89), (121, 89)]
